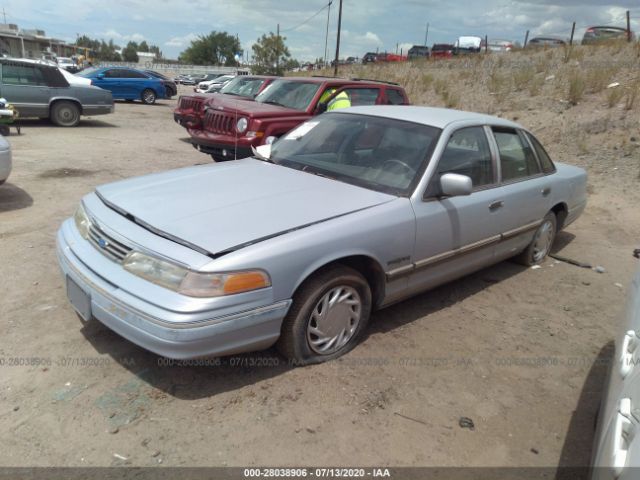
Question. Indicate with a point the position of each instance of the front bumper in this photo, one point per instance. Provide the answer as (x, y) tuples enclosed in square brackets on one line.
[(187, 120), (242, 331), (221, 147)]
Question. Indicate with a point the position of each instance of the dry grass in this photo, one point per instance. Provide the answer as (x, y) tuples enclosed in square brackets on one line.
[(536, 85), (522, 78), (632, 95), (598, 78), (577, 86), (614, 95)]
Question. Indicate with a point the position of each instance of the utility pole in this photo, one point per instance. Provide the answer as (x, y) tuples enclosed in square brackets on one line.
[(426, 35), (628, 26), (573, 31), (278, 51), (335, 69), (326, 36), (526, 39), (5, 15)]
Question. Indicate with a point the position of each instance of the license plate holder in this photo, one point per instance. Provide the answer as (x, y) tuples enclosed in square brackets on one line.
[(80, 300)]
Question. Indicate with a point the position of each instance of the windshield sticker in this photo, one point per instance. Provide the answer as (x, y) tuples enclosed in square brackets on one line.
[(301, 131)]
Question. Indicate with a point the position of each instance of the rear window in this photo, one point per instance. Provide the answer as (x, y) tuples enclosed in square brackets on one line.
[(395, 97)]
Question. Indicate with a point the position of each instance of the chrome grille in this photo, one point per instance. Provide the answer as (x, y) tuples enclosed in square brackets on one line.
[(218, 122), (191, 103), (105, 244)]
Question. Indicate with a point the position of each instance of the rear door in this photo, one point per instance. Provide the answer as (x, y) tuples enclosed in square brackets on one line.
[(134, 83), (111, 81), (25, 87), (526, 194)]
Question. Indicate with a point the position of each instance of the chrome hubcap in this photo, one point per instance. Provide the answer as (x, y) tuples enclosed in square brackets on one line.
[(149, 97), (334, 320), (543, 241)]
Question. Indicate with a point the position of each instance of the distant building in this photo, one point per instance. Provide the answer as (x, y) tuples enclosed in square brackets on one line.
[(15, 42), (145, 58)]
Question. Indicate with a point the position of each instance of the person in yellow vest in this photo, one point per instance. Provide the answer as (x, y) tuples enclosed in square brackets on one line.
[(339, 101)]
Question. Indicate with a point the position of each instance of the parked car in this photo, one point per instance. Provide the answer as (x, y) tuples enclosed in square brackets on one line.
[(551, 42), (468, 44), (217, 83), (5, 159), (390, 57), (232, 128), (190, 110), (500, 46), (418, 51), (616, 443), (54, 98), (170, 87), (67, 64), (127, 83), (604, 34), (442, 50), (374, 205), (369, 57)]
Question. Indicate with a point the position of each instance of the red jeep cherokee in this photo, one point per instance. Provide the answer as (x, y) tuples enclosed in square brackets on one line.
[(231, 128), (190, 109)]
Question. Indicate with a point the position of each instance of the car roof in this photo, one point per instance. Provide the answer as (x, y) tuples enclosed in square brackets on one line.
[(435, 117)]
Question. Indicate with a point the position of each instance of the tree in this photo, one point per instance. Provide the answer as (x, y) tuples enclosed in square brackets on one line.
[(270, 55), (100, 49), (130, 52), (143, 47), (214, 49)]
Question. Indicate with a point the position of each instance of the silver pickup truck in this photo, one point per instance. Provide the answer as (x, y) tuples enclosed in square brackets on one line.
[(351, 211), (36, 89)]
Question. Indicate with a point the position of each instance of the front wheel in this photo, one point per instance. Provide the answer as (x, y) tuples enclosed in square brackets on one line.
[(65, 114), (328, 315), (540, 246), (149, 97)]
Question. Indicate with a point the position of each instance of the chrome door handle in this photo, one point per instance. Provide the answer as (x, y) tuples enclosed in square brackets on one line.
[(496, 205), (546, 191)]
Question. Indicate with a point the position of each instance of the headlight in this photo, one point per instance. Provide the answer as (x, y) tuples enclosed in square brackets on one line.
[(193, 284), (82, 222), (242, 125)]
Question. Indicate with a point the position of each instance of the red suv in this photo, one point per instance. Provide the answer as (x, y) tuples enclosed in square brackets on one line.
[(190, 109), (231, 128)]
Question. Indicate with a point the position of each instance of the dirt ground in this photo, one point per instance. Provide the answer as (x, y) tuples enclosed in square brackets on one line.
[(521, 352)]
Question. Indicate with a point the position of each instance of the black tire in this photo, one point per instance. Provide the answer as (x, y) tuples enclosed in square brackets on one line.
[(129, 100), (294, 341), (65, 114), (531, 255), (148, 96)]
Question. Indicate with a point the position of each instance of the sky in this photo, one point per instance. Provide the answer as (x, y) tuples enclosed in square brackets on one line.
[(367, 25)]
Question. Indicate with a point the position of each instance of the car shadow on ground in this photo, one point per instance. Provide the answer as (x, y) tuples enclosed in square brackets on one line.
[(575, 457), (13, 197), (85, 122), (201, 378)]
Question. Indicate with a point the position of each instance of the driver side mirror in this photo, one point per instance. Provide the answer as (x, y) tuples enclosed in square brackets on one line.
[(100, 76), (455, 185), (321, 108)]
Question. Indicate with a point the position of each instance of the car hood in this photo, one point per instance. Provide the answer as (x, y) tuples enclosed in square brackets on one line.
[(229, 103), (222, 207)]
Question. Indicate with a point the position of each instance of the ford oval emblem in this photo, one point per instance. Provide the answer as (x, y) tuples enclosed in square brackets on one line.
[(103, 243)]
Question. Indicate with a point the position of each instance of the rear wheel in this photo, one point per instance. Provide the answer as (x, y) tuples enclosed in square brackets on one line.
[(149, 96), (65, 114), (542, 242), (328, 315)]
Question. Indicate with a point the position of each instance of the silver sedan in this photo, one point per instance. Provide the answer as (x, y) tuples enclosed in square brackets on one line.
[(350, 212)]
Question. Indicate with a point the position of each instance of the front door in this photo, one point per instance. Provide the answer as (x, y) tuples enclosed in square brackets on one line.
[(458, 235)]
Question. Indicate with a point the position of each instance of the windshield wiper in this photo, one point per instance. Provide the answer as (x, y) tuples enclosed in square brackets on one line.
[(273, 102), (317, 173)]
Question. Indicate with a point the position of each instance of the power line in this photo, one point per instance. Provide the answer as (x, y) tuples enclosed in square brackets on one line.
[(308, 19)]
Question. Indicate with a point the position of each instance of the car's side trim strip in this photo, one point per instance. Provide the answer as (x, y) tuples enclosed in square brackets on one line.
[(425, 262)]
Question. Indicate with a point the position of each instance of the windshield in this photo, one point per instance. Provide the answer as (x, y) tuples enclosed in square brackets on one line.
[(373, 152), (296, 95), (88, 71), (243, 86), (64, 60)]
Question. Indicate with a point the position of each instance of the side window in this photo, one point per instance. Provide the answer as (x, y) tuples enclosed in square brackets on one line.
[(467, 153), (133, 74), (545, 160), (116, 73), (22, 75), (363, 96), (516, 158), (394, 97)]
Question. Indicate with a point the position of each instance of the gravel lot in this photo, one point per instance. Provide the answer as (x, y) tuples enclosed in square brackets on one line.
[(522, 352)]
